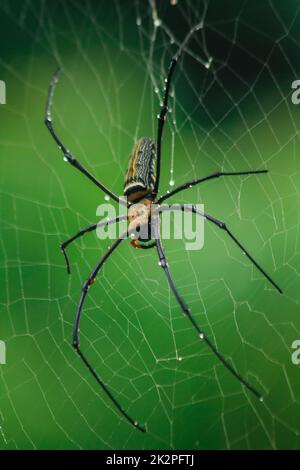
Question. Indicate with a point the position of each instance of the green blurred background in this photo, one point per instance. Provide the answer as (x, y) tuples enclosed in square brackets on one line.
[(235, 115)]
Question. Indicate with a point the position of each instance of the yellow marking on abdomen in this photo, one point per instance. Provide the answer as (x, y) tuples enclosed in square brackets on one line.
[(135, 159)]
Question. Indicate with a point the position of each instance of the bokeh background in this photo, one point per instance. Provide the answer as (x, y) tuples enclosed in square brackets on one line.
[(231, 109)]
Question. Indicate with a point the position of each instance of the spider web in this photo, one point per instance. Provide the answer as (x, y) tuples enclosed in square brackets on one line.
[(231, 110)]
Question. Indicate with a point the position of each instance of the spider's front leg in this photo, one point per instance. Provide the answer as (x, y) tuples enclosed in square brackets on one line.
[(217, 174), (67, 155), (85, 289), (165, 105)]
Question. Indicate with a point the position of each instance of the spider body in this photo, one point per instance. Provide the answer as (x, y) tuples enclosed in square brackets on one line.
[(141, 188), (141, 174)]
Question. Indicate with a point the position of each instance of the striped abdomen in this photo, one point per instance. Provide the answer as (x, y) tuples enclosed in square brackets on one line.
[(141, 173)]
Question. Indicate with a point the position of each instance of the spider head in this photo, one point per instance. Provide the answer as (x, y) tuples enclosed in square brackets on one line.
[(139, 218)]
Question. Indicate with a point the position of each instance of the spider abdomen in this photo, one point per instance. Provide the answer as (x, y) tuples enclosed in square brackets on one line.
[(141, 174)]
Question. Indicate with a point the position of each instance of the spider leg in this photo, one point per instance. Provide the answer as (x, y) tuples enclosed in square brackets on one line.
[(186, 311), (85, 289), (223, 226), (67, 155), (194, 182), (162, 115), (82, 232)]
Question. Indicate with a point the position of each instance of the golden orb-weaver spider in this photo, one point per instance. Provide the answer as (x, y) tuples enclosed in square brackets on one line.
[(141, 188)]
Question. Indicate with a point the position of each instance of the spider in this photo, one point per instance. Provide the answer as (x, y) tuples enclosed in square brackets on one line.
[(141, 191)]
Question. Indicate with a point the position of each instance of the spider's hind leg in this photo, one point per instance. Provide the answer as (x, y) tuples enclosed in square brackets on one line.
[(76, 344), (186, 311), (82, 232), (67, 242)]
